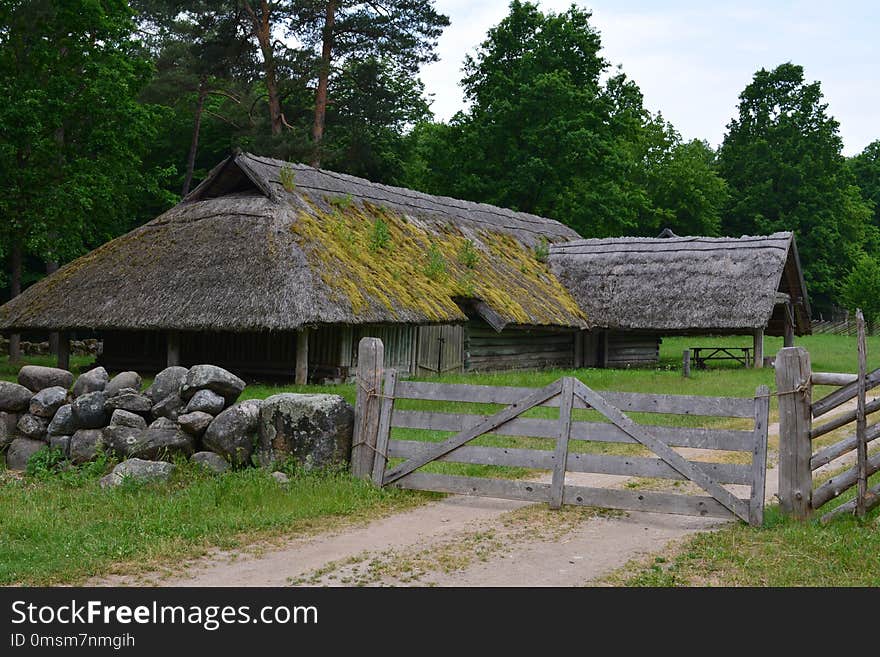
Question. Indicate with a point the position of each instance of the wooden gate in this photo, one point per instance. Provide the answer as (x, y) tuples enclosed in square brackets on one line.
[(400, 462)]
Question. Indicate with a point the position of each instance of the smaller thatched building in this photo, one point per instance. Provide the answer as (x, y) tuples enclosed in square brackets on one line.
[(636, 290)]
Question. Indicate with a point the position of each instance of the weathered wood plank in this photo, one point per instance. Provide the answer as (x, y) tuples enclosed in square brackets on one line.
[(840, 483), (844, 394), (795, 449), (603, 432), (759, 456), (833, 378), (838, 449), (872, 500), (631, 500), (627, 466), (561, 453), (861, 440), (301, 377), (172, 348), (686, 364), (384, 433), (371, 355), (843, 419), (758, 348), (662, 450), (502, 488), (493, 422), (62, 356), (627, 401)]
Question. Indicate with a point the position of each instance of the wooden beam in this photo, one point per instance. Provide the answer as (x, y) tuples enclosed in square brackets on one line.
[(371, 356), (578, 350), (788, 335), (380, 460), (603, 362), (64, 350), (795, 447), (172, 339), (560, 455), (759, 456), (686, 364), (758, 350), (861, 440), (301, 377)]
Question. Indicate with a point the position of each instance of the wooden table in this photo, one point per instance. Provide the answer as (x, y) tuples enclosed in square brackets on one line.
[(741, 355)]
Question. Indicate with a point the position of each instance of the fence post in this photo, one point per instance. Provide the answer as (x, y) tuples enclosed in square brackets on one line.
[(795, 450), (371, 355), (686, 363)]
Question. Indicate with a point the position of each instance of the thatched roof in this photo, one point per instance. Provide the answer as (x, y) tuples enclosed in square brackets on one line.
[(246, 251), (685, 284)]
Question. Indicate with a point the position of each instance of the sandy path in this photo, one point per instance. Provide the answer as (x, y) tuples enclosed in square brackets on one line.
[(456, 541)]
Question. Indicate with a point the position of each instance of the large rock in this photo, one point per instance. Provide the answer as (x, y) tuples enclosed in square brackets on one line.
[(121, 381), (120, 440), (88, 410), (61, 443), (313, 429), (232, 434), (123, 418), (128, 399), (139, 470), (14, 397), (20, 451), (167, 382), (210, 461), (84, 445), (216, 379), (32, 426), (169, 407), (63, 423), (36, 377), (8, 428), (164, 424), (46, 402), (92, 381), (161, 444), (195, 423), (206, 401)]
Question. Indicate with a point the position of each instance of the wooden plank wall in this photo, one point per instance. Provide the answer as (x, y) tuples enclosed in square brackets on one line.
[(516, 348), (627, 349), (442, 347), (399, 340)]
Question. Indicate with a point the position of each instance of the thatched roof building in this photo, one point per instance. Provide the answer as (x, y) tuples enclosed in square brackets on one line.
[(265, 246), (687, 285)]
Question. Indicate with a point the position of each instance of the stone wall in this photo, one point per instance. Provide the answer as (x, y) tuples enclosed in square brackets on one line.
[(88, 347)]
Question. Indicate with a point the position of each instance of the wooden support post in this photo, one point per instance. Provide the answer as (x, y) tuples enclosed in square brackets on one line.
[(15, 348), (63, 351), (302, 357), (173, 348), (604, 350), (861, 427), (788, 338), (560, 455), (578, 350), (795, 448), (686, 364), (758, 350), (371, 355)]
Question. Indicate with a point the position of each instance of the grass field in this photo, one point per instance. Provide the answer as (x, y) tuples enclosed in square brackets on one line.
[(63, 529)]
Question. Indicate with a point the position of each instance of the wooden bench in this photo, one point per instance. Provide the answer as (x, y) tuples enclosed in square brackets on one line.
[(743, 355)]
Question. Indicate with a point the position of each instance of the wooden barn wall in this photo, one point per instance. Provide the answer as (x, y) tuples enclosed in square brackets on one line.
[(625, 349), (399, 341), (142, 351), (516, 348), (440, 349)]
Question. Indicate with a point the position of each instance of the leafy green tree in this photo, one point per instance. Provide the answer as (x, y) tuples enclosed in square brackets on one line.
[(861, 288), (866, 169), (781, 158)]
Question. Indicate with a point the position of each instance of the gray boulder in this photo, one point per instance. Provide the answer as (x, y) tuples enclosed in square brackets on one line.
[(139, 470), (37, 377), (121, 381), (161, 444), (63, 423), (88, 410), (33, 427), (20, 451), (210, 461), (169, 407), (194, 423), (123, 418), (60, 442), (315, 430), (92, 381), (280, 477), (167, 382), (232, 434), (46, 402), (163, 423), (14, 397), (84, 445), (206, 401), (216, 379), (8, 428), (121, 440), (128, 399)]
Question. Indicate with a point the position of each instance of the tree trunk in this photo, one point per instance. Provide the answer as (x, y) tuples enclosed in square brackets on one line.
[(15, 284), (323, 78), (194, 144), (262, 26), (51, 268)]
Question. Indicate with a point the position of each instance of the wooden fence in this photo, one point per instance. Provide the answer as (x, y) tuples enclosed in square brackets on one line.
[(390, 460), (844, 326), (804, 423)]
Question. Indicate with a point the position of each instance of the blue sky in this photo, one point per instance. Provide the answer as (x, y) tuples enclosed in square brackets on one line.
[(692, 59)]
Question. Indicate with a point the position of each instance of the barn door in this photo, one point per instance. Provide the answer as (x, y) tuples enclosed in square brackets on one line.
[(440, 349)]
